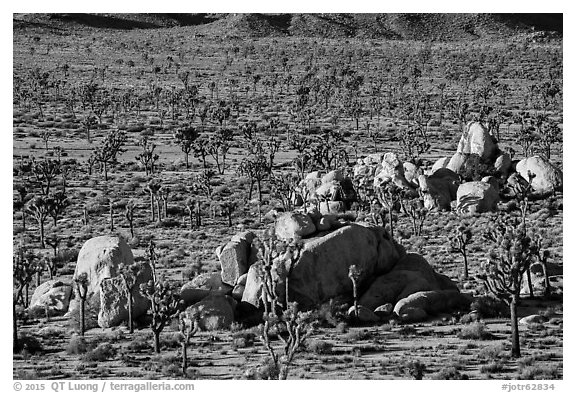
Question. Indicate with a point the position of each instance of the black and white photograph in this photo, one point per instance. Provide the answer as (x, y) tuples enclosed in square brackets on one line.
[(286, 196)]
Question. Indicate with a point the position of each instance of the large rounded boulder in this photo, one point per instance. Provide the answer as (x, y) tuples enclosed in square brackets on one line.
[(52, 295), (476, 197), (547, 178), (476, 139), (114, 299), (100, 258), (321, 272)]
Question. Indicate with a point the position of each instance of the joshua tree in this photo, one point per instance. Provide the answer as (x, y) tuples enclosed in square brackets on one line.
[(147, 157), (227, 208), (507, 263), (193, 208), (218, 146), (188, 328), (153, 187), (415, 209), (25, 267), (164, 193), (165, 304), (389, 196), (129, 274), (354, 275), (109, 149), (289, 319), (85, 216), (293, 322), (458, 241), (46, 137), (45, 171), (39, 209), (542, 257), (256, 169), (152, 258), (284, 187), (88, 123), (185, 137), (22, 192), (82, 292), (53, 264), (57, 203), (53, 241), (129, 214)]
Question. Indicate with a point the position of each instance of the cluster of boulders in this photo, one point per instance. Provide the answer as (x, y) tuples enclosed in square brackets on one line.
[(390, 280), (443, 188), (332, 192)]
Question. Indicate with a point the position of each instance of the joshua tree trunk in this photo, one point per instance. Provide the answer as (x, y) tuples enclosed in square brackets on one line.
[(152, 206), (42, 234), (23, 220), (38, 277), (159, 206), (85, 216), (465, 263), (105, 171), (111, 216), (156, 341), (515, 337), (82, 315), (529, 279), (184, 357), (130, 322), (14, 327), (186, 160)]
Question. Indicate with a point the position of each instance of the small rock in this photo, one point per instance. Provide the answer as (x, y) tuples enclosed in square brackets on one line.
[(533, 319), (384, 310), (294, 225), (364, 314)]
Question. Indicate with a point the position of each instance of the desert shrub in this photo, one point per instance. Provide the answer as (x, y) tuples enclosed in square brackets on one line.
[(172, 340), (493, 352), (171, 370), (449, 373), (266, 370), (492, 367), (140, 343), (28, 344), (27, 375), (474, 331), (51, 332), (548, 371), (490, 307), (76, 346), (357, 335), (319, 347), (331, 313), (243, 339), (407, 331), (102, 352)]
